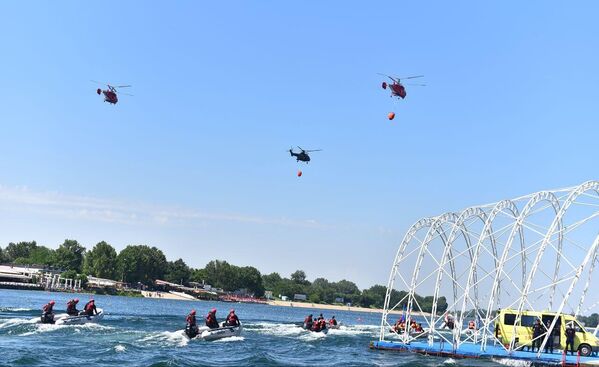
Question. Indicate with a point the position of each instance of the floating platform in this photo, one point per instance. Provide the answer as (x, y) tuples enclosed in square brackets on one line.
[(492, 352)]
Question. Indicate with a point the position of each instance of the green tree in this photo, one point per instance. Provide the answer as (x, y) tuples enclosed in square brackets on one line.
[(101, 261), (221, 274), (250, 278), (69, 256), (198, 275), (373, 296), (348, 290), (288, 287), (321, 290), (299, 277), (177, 272), (19, 249), (3, 257), (271, 281), (141, 264), (40, 255)]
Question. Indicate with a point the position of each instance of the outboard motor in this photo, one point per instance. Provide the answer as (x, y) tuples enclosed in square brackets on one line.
[(47, 318), (191, 332)]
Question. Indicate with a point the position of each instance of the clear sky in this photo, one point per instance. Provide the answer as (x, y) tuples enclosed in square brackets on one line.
[(195, 162)]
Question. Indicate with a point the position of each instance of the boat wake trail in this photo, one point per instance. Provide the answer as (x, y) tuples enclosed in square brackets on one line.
[(10, 323), (48, 328), (15, 309), (165, 339), (230, 339)]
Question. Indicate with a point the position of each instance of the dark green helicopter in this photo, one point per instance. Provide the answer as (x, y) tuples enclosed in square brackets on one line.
[(303, 155)]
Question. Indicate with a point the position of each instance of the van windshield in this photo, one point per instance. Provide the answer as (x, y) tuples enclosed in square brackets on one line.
[(578, 328)]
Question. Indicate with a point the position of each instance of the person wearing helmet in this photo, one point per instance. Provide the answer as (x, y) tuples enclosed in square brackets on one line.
[(211, 319), (333, 321), (48, 313), (232, 319), (72, 307), (308, 322), (191, 327), (90, 308)]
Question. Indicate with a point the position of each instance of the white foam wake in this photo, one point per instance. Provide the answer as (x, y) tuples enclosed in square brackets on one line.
[(512, 362), (172, 338), (230, 339)]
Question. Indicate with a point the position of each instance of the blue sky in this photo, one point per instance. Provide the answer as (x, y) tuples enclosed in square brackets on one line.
[(195, 162)]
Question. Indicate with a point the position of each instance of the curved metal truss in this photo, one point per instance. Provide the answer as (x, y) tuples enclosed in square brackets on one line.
[(525, 254)]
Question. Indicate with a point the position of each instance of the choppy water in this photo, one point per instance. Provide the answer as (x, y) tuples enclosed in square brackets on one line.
[(148, 332)]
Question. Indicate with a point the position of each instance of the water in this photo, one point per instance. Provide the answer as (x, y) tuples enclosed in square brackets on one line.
[(149, 332)]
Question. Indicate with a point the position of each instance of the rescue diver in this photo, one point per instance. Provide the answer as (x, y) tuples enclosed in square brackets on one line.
[(48, 313), (191, 326), (232, 319), (211, 319), (308, 322), (72, 307), (549, 344), (332, 321), (570, 333), (90, 308), (537, 331)]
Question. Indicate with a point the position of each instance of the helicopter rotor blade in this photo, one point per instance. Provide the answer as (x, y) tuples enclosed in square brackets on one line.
[(412, 77), (388, 76), (122, 86), (97, 82), (313, 150)]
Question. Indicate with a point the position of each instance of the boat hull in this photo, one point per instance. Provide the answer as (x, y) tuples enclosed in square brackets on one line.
[(205, 333), (64, 319)]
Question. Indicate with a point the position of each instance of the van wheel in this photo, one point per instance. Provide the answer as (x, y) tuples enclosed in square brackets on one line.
[(585, 350)]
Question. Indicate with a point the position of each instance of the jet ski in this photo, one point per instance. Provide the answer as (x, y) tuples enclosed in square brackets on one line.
[(205, 333), (66, 319)]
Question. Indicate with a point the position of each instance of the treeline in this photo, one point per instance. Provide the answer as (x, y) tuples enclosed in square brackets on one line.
[(144, 264)]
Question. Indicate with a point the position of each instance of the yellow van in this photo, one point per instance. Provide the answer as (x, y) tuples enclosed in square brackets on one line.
[(584, 341)]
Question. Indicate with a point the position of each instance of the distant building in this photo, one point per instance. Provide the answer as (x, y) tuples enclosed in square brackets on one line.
[(299, 297), (283, 298), (103, 283), (268, 295), (339, 300)]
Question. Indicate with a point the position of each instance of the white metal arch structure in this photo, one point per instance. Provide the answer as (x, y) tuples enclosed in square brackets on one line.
[(517, 228), (472, 212), (558, 235)]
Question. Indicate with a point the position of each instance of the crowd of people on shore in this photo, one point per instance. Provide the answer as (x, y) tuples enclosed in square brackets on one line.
[(319, 324)]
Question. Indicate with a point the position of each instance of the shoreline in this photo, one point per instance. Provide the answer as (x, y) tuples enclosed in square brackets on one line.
[(338, 307)]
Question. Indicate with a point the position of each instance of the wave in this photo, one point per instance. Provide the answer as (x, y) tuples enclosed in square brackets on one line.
[(46, 328), (119, 348), (277, 329), (512, 362), (166, 338), (8, 323), (230, 339), (15, 309)]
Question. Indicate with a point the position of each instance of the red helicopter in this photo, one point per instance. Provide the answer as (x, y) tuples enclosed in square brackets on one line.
[(110, 95), (398, 89)]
